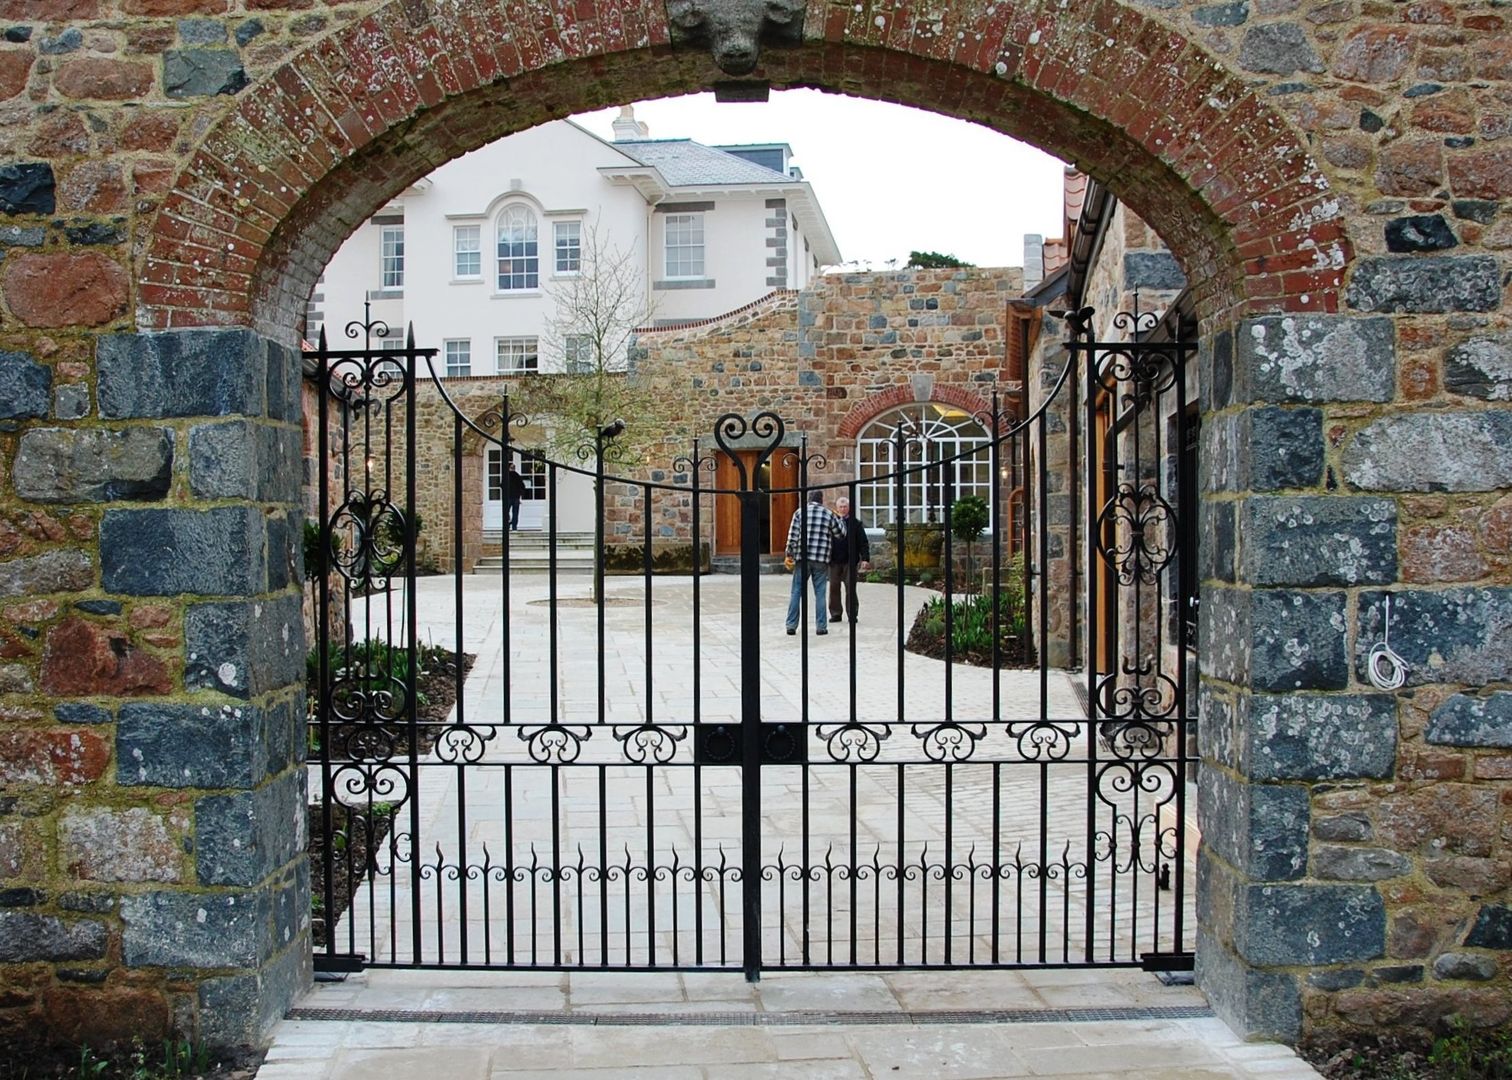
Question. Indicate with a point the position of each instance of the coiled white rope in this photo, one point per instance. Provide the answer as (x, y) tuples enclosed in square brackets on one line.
[(1386, 669)]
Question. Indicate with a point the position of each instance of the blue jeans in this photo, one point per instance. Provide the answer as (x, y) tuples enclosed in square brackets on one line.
[(819, 574)]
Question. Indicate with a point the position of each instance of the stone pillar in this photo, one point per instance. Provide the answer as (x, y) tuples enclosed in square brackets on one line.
[(152, 825), (1332, 882)]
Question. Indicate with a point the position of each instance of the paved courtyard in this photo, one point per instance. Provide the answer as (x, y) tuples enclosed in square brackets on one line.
[(981, 853), (1077, 1024)]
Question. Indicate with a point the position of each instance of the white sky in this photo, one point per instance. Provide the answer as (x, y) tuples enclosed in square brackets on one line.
[(891, 179)]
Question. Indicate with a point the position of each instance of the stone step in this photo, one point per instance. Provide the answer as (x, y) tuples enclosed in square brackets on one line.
[(566, 564), (730, 564)]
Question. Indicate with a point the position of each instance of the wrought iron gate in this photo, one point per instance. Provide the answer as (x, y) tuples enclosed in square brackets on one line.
[(651, 774)]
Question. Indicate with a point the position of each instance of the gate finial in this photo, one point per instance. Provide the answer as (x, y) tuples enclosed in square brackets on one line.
[(735, 29)]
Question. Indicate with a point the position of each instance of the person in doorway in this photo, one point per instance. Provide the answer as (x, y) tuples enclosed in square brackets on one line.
[(516, 493), (851, 552), (811, 537)]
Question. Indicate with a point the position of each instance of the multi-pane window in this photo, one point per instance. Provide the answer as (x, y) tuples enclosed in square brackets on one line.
[(568, 236), (517, 354), (519, 250), (391, 262), (390, 369), (685, 245), (532, 469), (577, 350), (941, 445), (467, 251), (533, 472), (459, 358)]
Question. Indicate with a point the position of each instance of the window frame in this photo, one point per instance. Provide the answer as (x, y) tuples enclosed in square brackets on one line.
[(530, 353), (693, 220), (557, 228), (449, 359), (574, 360), (527, 278), (947, 434), (391, 277), (476, 251)]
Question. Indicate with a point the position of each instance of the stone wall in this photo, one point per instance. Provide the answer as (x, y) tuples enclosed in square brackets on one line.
[(151, 753), (827, 360), (1332, 176)]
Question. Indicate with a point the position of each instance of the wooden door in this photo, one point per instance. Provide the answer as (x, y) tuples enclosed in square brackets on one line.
[(784, 474), (780, 471), (726, 507), (1104, 484)]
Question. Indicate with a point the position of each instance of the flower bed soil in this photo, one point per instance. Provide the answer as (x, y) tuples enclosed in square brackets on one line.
[(1014, 652)]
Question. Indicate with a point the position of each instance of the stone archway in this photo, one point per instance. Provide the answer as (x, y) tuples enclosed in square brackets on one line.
[(276, 185), (1203, 122)]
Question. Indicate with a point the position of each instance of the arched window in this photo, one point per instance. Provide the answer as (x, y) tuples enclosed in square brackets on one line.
[(519, 250), (933, 432)]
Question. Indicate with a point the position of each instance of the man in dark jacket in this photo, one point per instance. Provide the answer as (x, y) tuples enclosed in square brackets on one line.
[(850, 553), (516, 492)]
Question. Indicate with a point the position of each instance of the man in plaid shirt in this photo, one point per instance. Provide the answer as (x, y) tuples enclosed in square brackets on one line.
[(811, 536)]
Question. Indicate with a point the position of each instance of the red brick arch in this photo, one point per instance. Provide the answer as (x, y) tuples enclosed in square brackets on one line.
[(307, 153), (873, 406)]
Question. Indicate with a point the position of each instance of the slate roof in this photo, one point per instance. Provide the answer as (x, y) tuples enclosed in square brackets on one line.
[(685, 163)]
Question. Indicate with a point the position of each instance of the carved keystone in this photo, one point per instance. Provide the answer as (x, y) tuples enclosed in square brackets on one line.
[(734, 29)]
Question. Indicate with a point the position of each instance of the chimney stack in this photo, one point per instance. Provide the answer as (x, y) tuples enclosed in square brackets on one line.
[(627, 128)]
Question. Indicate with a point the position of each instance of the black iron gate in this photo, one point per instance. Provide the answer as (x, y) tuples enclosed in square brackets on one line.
[(644, 771)]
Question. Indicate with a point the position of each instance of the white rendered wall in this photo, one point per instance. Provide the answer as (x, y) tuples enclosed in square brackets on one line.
[(735, 255)]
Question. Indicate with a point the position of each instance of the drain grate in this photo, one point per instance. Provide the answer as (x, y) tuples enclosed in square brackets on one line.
[(746, 1019)]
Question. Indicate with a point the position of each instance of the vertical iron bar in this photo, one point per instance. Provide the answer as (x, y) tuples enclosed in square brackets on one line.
[(750, 723), (994, 515), (1183, 530), (509, 865), (553, 672), (506, 457), (650, 719), (598, 566), (853, 883), (900, 520), (651, 866), (323, 638), (848, 590), (902, 780), (457, 671), (997, 856), (949, 551), (698, 930), (412, 613), (1087, 356), (556, 865), (603, 831)]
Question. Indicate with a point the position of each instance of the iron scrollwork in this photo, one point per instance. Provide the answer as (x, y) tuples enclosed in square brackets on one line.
[(555, 744), (949, 741), (1136, 534), (854, 742), (767, 427), (647, 744)]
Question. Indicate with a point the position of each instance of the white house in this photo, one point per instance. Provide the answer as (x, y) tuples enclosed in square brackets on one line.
[(469, 254)]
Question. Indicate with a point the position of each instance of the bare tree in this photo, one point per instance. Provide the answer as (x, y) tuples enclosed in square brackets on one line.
[(592, 382)]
